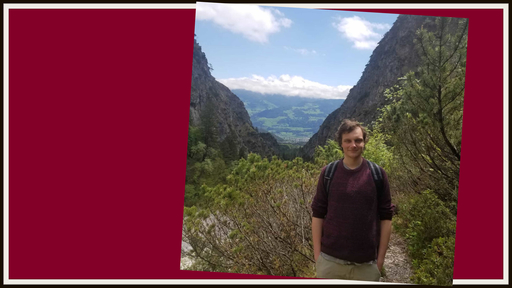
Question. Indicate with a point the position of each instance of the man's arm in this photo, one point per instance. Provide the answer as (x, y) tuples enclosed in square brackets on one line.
[(386, 209), (385, 233), (319, 208), (316, 226)]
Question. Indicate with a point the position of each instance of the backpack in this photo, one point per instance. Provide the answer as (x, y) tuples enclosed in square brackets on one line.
[(374, 168)]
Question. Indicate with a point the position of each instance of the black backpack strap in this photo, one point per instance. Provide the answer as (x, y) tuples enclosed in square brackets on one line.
[(377, 177), (329, 173)]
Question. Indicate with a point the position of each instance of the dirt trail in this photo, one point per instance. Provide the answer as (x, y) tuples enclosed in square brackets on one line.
[(398, 268)]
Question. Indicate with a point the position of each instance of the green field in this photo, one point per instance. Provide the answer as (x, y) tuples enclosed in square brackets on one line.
[(291, 118), (271, 122)]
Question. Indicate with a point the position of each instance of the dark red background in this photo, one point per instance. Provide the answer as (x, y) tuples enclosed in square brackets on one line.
[(98, 120)]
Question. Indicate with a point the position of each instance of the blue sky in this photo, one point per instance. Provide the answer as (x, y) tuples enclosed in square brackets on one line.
[(291, 51)]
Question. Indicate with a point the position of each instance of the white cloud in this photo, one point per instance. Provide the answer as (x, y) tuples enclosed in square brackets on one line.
[(360, 32), (253, 22), (287, 85), (301, 51)]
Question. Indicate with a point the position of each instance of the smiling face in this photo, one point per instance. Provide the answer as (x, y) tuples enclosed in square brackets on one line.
[(353, 143)]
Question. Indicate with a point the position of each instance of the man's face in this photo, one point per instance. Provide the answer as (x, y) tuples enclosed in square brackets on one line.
[(353, 143)]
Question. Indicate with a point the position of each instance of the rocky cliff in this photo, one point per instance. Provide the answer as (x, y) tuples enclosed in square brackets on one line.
[(229, 110), (392, 58)]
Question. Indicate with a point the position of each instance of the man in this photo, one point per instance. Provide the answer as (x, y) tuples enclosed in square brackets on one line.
[(352, 222)]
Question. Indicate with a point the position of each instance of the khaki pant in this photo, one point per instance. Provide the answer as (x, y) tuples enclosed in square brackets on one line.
[(332, 270)]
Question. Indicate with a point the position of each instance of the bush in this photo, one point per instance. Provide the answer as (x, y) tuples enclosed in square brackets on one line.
[(437, 267), (377, 151), (429, 227), (192, 196), (423, 218), (328, 153), (259, 222)]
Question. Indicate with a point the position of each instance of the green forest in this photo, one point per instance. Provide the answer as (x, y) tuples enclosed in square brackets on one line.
[(248, 214)]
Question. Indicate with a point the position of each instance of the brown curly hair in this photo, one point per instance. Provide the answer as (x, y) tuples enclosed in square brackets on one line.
[(347, 126)]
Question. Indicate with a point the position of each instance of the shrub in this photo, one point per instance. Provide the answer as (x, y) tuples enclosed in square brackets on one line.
[(437, 267), (259, 222), (423, 218), (328, 153), (377, 151), (192, 196)]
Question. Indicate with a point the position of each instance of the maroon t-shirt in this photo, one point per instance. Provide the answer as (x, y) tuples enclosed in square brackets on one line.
[(352, 212)]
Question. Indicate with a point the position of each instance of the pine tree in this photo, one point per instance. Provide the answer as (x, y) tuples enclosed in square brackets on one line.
[(424, 119)]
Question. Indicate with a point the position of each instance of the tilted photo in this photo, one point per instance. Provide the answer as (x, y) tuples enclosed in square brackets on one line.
[(324, 144)]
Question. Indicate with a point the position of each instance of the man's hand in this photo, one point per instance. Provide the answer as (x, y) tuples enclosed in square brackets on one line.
[(380, 263), (385, 233)]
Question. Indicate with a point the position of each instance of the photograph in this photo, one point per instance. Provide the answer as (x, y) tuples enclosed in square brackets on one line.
[(324, 144)]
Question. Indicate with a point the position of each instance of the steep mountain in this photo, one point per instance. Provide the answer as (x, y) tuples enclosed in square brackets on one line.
[(229, 111), (392, 58)]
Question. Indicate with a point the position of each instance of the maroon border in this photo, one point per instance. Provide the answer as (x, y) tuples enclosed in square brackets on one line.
[(98, 120)]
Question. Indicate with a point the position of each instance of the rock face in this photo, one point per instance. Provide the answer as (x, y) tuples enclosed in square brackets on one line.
[(392, 58), (229, 110)]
